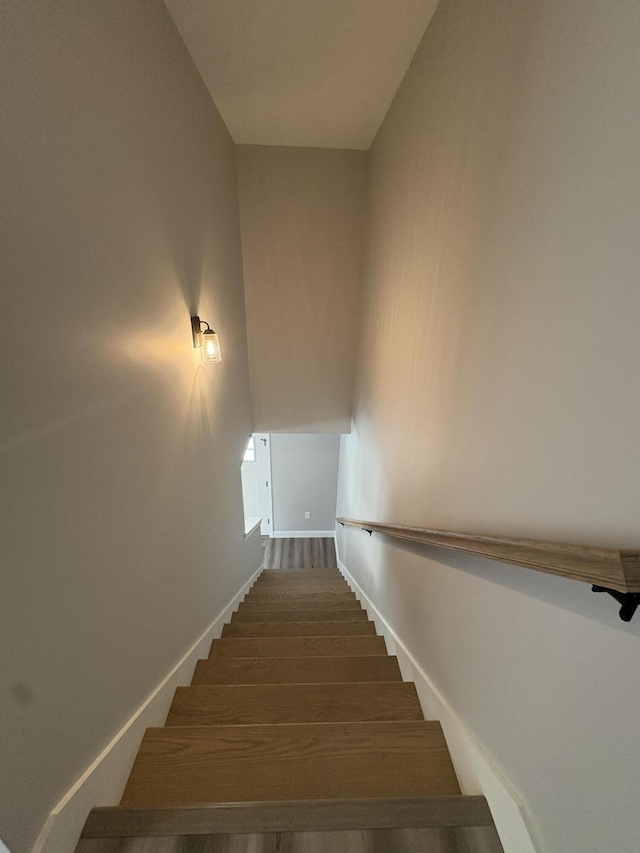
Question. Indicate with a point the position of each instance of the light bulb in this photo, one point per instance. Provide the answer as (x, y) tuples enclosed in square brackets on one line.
[(210, 347)]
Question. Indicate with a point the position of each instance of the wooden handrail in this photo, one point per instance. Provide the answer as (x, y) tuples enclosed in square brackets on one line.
[(613, 570)]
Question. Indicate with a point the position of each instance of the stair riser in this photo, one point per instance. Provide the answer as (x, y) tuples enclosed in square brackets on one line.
[(476, 839), (305, 816)]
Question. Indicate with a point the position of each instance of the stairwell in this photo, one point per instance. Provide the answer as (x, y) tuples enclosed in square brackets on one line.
[(297, 734)]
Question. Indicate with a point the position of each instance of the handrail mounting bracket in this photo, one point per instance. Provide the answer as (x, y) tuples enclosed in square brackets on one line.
[(628, 601)]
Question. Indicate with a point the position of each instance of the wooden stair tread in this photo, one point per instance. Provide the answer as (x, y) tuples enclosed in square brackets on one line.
[(350, 615), (294, 703), (297, 815), (302, 583), (180, 765), (322, 583), (295, 670), (316, 574), (298, 629), (303, 604), (271, 590), (308, 587), (293, 571), (289, 594), (291, 647)]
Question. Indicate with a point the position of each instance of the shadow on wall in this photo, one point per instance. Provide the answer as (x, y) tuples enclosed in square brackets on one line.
[(560, 592), (289, 425)]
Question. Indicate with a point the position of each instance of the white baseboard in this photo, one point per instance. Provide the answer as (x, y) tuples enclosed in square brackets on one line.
[(103, 781), (303, 534), (476, 771)]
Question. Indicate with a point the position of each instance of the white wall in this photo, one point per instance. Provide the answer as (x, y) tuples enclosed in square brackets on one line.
[(302, 212), (499, 390), (304, 475), (121, 525), (250, 489)]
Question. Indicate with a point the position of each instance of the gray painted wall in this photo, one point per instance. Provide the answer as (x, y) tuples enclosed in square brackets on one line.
[(500, 390), (304, 475), (121, 525), (302, 213)]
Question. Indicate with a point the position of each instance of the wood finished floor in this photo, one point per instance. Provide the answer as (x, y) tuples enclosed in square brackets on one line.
[(300, 554)]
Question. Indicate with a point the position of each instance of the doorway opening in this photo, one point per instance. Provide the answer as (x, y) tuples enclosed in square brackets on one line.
[(256, 484)]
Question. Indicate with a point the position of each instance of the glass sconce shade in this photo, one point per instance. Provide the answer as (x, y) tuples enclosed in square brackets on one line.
[(206, 341), (210, 347)]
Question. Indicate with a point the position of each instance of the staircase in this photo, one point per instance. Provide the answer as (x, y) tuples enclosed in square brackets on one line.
[(297, 734)]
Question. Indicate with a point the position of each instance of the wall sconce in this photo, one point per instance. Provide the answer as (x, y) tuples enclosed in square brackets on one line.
[(206, 340)]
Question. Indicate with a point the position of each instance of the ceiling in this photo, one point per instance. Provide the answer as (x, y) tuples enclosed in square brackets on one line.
[(302, 72)]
